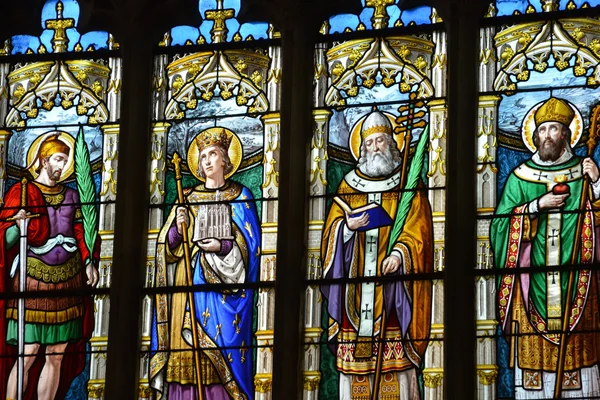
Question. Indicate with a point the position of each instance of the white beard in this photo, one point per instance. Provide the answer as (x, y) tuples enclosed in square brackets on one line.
[(377, 165)]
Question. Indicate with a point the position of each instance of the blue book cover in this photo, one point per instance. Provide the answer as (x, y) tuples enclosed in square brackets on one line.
[(378, 217)]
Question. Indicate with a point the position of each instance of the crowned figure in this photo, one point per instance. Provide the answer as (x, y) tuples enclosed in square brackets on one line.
[(231, 256)]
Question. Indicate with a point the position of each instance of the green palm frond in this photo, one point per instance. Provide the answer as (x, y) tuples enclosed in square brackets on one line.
[(87, 191), (414, 176)]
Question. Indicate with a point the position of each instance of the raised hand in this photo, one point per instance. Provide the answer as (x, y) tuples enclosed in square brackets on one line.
[(590, 169)]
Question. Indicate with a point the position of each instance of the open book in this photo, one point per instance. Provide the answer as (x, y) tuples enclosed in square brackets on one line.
[(378, 217)]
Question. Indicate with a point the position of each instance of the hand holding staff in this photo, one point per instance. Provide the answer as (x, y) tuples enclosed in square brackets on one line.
[(189, 277)]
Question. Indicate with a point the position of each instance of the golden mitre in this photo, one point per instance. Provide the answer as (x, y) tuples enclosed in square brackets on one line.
[(554, 110), (211, 137), (376, 122)]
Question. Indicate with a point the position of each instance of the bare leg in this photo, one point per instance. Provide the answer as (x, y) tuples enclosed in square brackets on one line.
[(50, 375), (30, 352)]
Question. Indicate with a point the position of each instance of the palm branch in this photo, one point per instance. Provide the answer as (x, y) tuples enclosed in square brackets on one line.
[(87, 191), (408, 194)]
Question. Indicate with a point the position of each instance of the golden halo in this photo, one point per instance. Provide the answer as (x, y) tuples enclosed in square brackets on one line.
[(355, 140), (33, 163), (235, 152), (528, 128)]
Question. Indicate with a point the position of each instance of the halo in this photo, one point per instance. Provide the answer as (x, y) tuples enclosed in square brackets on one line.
[(235, 153), (33, 163), (355, 140), (528, 128)]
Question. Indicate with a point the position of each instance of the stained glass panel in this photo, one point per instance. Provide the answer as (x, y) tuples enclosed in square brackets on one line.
[(59, 135), (213, 219), (536, 177), (219, 25), (60, 19), (380, 14), (374, 282), (501, 8)]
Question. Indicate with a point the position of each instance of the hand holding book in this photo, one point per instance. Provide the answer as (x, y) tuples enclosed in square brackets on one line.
[(371, 216)]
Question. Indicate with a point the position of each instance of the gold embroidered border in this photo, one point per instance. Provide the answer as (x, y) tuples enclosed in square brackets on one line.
[(48, 317), (39, 270)]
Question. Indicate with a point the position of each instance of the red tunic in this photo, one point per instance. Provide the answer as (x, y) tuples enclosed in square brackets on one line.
[(39, 231)]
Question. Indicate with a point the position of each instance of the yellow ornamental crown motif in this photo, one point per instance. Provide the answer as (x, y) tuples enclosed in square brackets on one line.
[(376, 129), (554, 110), (211, 137), (375, 122)]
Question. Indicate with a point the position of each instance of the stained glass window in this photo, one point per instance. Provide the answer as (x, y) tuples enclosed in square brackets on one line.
[(374, 279), (59, 133), (537, 178), (213, 214)]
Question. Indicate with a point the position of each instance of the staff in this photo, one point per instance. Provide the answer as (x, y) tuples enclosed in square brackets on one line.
[(562, 351), (188, 270), (407, 183)]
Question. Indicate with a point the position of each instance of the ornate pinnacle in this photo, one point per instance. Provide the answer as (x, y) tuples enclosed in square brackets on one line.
[(219, 16), (550, 5), (60, 26), (380, 16)]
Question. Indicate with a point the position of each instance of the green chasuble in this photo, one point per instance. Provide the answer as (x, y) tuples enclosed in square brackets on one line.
[(549, 233)]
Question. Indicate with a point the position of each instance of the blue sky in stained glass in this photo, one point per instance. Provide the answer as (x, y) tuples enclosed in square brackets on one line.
[(22, 43), (182, 34), (417, 16), (508, 7)]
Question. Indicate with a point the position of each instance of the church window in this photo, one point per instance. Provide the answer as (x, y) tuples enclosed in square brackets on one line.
[(537, 185), (59, 133), (213, 209), (375, 264)]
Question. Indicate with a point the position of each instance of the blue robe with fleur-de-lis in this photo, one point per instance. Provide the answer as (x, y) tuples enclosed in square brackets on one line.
[(231, 312)]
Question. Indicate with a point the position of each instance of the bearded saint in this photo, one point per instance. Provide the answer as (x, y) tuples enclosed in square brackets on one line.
[(223, 317), (56, 328), (355, 310), (534, 229)]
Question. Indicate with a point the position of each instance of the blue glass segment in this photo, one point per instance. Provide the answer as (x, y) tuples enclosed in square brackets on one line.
[(59, 16), (214, 13), (389, 13), (512, 7)]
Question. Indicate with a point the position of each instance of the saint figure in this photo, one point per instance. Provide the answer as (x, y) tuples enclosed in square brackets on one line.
[(534, 230), (350, 250), (56, 328), (224, 317)]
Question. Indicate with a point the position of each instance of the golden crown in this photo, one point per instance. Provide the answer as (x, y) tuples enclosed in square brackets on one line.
[(211, 137), (554, 110)]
